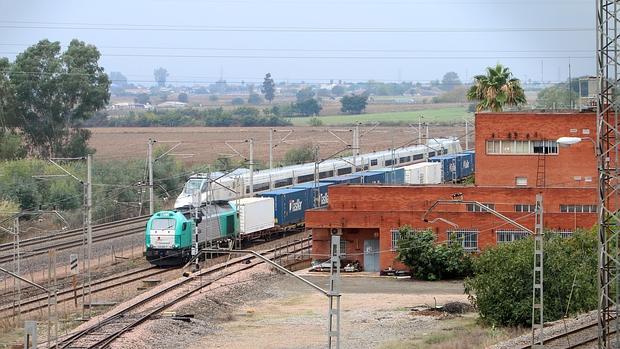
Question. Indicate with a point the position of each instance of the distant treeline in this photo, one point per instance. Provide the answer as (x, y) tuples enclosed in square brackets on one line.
[(242, 116)]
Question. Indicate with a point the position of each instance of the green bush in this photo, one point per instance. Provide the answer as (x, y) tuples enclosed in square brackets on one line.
[(315, 122), (429, 260), (501, 287), (300, 155)]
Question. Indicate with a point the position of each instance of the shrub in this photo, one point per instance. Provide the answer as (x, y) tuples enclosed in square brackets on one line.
[(315, 121), (300, 155), (501, 287), (430, 261), (237, 101)]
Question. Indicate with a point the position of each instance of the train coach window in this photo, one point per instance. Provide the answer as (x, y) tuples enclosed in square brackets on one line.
[(343, 171), (326, 174), (373, 162), (305, 178), (431, 154), (418, 157), (283, 182), (388, 162), (405, 159), (261, 186)]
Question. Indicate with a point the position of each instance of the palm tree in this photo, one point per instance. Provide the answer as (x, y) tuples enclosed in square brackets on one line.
[(496, 89)]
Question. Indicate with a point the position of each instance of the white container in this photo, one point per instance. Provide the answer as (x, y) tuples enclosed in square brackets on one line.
[(423, 173), (255, 214)]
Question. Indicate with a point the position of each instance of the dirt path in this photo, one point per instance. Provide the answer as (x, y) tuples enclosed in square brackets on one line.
[(263, 310)]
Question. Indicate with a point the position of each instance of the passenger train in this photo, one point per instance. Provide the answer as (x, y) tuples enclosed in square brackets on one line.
[(237, 183)]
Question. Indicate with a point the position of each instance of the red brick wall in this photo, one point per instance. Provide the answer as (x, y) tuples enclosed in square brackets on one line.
[(362, 210), (576, 160)]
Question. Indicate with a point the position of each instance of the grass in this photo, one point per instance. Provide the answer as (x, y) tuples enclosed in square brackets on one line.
[(460, 332), (431, 115)]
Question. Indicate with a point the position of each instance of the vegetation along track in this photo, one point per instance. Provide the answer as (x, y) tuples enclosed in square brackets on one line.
[(67, 294), (583, 336), (107, 330), (73, 238)]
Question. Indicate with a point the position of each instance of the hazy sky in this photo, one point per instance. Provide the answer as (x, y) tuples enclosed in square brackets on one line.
[(314, 41)]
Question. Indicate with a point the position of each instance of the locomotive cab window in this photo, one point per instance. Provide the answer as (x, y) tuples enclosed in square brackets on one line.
[(163, 224), (184, 227)]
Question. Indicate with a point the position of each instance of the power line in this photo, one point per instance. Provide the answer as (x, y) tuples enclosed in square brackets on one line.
[(234, 49), (169, 28)]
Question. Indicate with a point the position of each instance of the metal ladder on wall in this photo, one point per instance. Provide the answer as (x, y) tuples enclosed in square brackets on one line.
[(540, 170)]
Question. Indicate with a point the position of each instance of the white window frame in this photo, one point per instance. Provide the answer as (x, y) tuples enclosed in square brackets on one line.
[(469, 245), (521, 147), (510, 235)]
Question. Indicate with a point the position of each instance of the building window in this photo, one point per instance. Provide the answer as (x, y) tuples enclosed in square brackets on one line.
[(525, 208), (478, 208), (343, 247), (510, 235), (521, 181), (395, 239), (578, 208), (467, 238), (521, 147), (563, 233)]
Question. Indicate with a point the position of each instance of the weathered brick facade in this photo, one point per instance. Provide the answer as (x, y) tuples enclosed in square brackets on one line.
[(371, 212)]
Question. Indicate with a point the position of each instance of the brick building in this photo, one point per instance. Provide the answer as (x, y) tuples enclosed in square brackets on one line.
[(517, 156)]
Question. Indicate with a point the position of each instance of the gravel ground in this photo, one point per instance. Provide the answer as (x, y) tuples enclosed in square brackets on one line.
[(259, 310), (551, 329)]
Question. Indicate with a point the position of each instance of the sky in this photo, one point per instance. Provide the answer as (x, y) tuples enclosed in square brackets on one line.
[(199, 41)]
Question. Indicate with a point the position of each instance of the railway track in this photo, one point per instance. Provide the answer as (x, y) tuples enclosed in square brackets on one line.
[(72, 238), (67, 294), (580, 337), (106, 331)]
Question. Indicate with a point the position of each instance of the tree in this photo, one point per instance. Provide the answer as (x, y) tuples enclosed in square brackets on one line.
[(496, 89), (557, 96), (305, 94), (354, 104), (450, 80), (160, 74), (182, 97), (118, 79), (429, 260), (237, 101), (48, 93), (501, 288), (255, 99), (308, 107), (338, 90), (142, 98), (269, 88)]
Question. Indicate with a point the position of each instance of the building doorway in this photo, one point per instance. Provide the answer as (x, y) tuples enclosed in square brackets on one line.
[(371, 255)]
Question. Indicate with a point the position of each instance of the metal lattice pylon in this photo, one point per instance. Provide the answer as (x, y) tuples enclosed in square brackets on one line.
[(607, 64)]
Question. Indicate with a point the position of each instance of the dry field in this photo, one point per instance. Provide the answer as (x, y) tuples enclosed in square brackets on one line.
[(209, 143)]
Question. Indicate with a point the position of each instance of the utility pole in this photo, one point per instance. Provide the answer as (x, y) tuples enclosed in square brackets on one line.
[(466, 135), (356, 145), (537, 289), (251, 141), (334, 291), (271, 131), (17, 267), (150, 159), (420, 129), (89, 225)]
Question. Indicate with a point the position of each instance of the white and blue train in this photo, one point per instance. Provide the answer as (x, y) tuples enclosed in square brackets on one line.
[(237, 183)]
